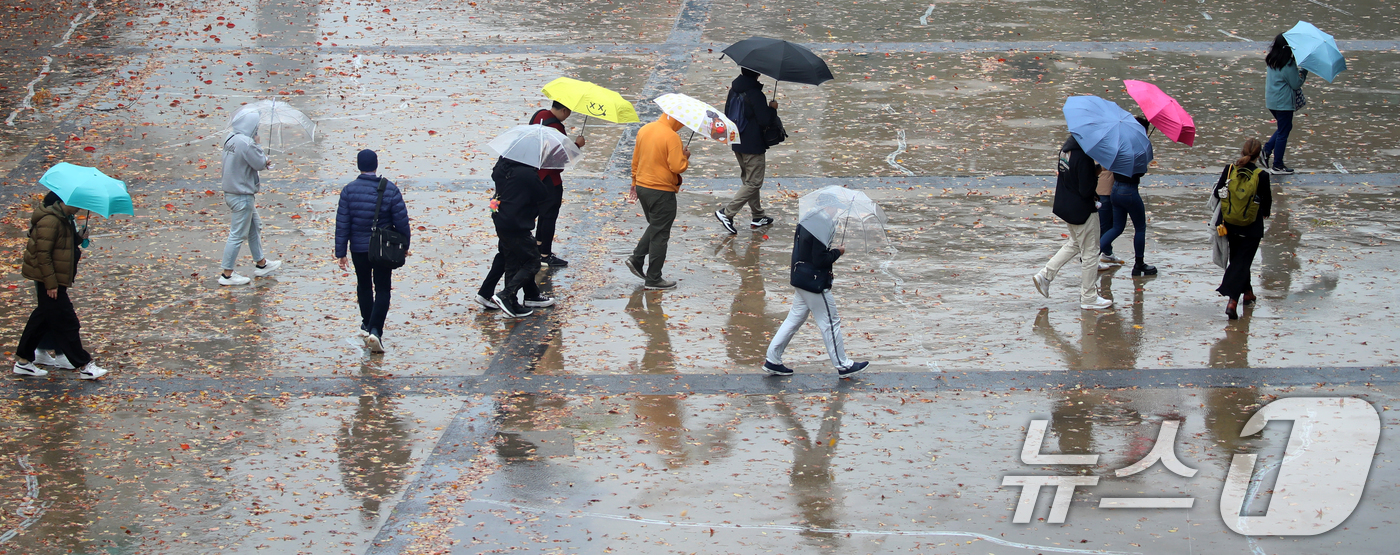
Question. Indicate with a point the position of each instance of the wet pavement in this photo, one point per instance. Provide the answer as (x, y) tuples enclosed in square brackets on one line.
[(251, 420)]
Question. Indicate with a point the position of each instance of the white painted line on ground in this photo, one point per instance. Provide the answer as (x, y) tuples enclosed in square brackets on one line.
[(1233, 36), (924, 20), (27, 510), (1330, 7), (1339, 167), (892, 158), (27, 103)]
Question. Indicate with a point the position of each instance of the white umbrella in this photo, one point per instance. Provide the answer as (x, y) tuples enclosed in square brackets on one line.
[(700, 117), (826, 210), (277, 115), (536, 146)]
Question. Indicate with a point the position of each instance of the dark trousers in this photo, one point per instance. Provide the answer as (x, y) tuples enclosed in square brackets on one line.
[(372, 286), (56, 321), (1127, 205), (493, 278), (1105, 217), (660, 209), (1279, 140), (549, 217), (520, 258), (1236, 280)]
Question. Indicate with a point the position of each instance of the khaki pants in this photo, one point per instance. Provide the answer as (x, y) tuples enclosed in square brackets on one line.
[(1083, 242), (751, 172)]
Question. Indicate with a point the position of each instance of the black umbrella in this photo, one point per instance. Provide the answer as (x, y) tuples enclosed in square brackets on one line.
[(780, 59)]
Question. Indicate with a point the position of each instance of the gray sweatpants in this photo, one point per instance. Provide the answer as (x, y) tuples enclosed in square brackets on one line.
[(244, 225), (822, 306)]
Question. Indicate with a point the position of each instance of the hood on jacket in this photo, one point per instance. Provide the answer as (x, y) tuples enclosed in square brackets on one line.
[(675, 124), (246, 123), (55, 209), (1071, 144), (744, 83)]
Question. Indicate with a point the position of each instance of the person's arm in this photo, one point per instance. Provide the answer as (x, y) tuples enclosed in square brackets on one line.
[(342, 226), (253, 155), (398, 209), (1088, 178), (1265, 194), (45, 237), (1224, 178), (1292, 77), (677, 157), (763, 114), (820, 256)]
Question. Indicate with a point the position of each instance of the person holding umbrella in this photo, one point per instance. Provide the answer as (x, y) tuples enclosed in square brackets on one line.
[(658, 160), (753, 113), (1127, 205), (1075, 181), (552, 117), (51, 258), (243, 159), (1283, 84)]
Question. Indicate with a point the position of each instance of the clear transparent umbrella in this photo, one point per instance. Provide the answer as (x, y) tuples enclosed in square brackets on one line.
[(536, 145), (277, 116), (838, 216)]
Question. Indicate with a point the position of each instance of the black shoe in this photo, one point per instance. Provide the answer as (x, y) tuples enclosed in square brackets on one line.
[(775, 369), (853, 370), (634, 266), (760, 222), (1281, 170), (727, 221), (1141, 269), (511, 307), (1232, 310), (554, 261)]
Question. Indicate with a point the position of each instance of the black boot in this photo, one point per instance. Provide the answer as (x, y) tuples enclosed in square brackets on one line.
[(1142, 269)]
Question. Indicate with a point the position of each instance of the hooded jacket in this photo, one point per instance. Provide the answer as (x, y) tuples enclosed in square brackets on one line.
[(1279, 85), (51, 255), (807, 248), (758, 116), (1075, 184), (354, 217), (519, 192), (658, 160), (243, 158)]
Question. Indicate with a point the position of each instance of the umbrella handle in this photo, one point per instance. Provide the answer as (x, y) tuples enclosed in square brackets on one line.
[(775, 89), (692, 136), (584, 131)]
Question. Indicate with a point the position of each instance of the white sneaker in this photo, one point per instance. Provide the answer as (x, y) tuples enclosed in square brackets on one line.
[(1042, 284), (1101, 304), (375, 344), (486, 303), (271, 266), (29, 369), (541, 302), (233, 279), (42, 356), (1110, 259), (91, 372), (1104, 266)]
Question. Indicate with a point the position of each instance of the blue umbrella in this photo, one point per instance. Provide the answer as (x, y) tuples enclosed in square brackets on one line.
[(1108, 134), (88, 188), (1315, 50)]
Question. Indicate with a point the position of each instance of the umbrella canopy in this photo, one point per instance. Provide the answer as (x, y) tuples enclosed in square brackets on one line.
[(828, 209), (700, 117), (535, 145), (1163, 111), (277, 115), (88, 188), (590, 100), (780, 59), (1108, 134), (1315, 50)]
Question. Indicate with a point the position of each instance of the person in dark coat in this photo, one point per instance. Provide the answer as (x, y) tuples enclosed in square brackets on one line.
[(51, 261), (354, 219), (1243, 239), (516, 204), (759, 113), (1075, 198), (812, 257), (553, 179)]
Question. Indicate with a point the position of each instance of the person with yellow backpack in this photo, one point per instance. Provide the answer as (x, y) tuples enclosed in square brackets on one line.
[(1243, 190)]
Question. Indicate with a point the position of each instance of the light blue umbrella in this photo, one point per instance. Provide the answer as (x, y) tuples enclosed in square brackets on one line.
[(1108, 134), (88, 188), (1315, 50)]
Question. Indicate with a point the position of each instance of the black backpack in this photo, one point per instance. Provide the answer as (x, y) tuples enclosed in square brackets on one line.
[(772, 135)]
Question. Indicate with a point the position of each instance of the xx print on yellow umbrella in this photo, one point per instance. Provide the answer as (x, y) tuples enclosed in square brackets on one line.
[(590, 100)]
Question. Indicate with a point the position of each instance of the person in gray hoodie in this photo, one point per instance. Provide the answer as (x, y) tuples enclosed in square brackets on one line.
[(243, 159)]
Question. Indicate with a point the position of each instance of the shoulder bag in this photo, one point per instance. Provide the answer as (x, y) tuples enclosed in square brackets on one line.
[(387, 248)]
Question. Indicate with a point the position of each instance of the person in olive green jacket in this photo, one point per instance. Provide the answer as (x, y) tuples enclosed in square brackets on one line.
[(51, 261)]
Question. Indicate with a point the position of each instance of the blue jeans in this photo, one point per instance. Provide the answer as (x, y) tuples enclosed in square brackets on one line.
[(1279, 140), (244, 225), (1127, 203), (1105, 216)]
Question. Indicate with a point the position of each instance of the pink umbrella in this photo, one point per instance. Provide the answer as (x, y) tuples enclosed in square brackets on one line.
[(1163, 111)]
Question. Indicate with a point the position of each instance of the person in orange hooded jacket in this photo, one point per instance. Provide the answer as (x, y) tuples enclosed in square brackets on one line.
[(658, 159)]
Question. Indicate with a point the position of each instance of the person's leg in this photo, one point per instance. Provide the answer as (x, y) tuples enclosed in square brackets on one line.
[(1235, 282), (63, 321), (493, 276), (639, 254), (661, 214), (1086, 236), (1067, 252), (549, 217), (796, 316), (1120, 220), (383, 284), (1105, 219), (522, 261), (751, 167), (255, 231), (36, 328), (364, 287), (759, 162), (240, 218), (1131, 201), (1280, 138), (823, 307)]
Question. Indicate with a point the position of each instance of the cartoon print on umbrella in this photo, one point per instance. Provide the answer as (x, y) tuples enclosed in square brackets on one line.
[(714, 126)]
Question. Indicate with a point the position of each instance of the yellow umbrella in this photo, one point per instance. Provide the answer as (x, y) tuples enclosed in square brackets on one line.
[(590, 100)]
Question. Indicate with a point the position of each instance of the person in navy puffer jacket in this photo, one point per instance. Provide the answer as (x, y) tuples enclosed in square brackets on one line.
[(353, 221)]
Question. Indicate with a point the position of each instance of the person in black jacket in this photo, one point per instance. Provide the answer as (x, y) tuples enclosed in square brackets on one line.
[(354, 219), (759, 113), (514, 207), (1075, 199), (811, 281), (1243, 239), (1127, 205)]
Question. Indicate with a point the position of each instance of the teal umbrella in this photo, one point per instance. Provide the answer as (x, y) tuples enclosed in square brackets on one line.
[(1315, 50), (88, 188)]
